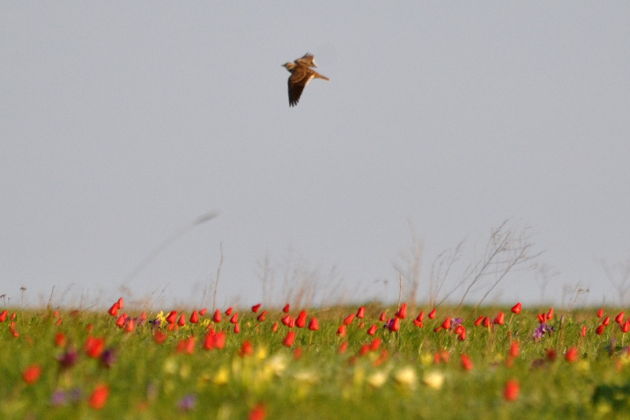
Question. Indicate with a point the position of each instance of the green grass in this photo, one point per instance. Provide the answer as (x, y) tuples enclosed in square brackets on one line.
[(149, 380)]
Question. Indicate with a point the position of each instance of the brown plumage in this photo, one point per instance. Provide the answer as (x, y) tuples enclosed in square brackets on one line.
[(301, 74)]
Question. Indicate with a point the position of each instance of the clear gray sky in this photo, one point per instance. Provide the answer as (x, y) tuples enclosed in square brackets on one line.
[(121, 122)]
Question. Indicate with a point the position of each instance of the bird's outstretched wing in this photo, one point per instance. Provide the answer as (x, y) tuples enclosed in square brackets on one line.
[(307, 59), (298, 80)]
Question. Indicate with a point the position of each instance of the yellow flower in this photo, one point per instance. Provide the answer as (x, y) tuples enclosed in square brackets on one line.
[(406, 376), (583, 366), (184, 371), (426, 359), (262, 353), (161, 317), (170, 366), (222, 376), (377, 379), (433, 379)]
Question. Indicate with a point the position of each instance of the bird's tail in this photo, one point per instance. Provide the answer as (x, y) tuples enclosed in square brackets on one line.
[(320, 76)]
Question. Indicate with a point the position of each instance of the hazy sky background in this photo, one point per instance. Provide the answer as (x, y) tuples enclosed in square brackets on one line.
[(121, 122)]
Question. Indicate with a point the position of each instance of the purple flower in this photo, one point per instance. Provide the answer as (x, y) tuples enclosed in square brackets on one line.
[(188, 402), (68, 359), (108, 357), (456, 322), (58, 398), (541, 330), (156, 322)]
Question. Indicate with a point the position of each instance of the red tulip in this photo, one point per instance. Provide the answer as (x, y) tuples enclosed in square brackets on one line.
[(186, 345), (571, 355), (258, 412), (462, 335), (375, 344), (447, 323), (583, 331), (300, 321), (382, 317), (500, 319), (194, 317), (511, 390), (289, 339), (31, 374), (343, 347), (361, 312), (516, 309), (219, 340), (348, 320), (256, 307), (433, 313), (247, 349), (478, 321), (297, 353), (208, 341), (171, 318), (364, 349), (228, 311), (203, 311), (341, 331), (217, 316), (394, 324), (182, 320), (402, 311), (372, 330), (515, 349), (600, 329), (98, 398), (262, 316), (600, 313), (626, 326), (619, 318), (234, 319), (120, 322), (287, 320), (313, 325), (121, 303), (60, 339), (113, 310), (466, 362), (551, 355), (549, 315), (286, 308), (94, 346), (274, 327), (159, 337), (130, 325), (3, 315), (486, 322), (237, 328)]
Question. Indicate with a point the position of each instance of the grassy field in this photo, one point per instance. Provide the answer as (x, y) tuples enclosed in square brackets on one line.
[(354, 363)]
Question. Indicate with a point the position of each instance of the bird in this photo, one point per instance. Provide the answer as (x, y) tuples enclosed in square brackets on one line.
[(301, 73)]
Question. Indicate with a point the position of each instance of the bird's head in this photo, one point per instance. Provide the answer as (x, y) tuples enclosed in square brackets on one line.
[(289, 66)]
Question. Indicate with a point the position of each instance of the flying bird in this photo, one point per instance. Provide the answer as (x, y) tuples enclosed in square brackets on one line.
[(301, 73)]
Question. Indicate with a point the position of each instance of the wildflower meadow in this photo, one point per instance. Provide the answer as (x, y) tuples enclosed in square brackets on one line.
[(359, 362)]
